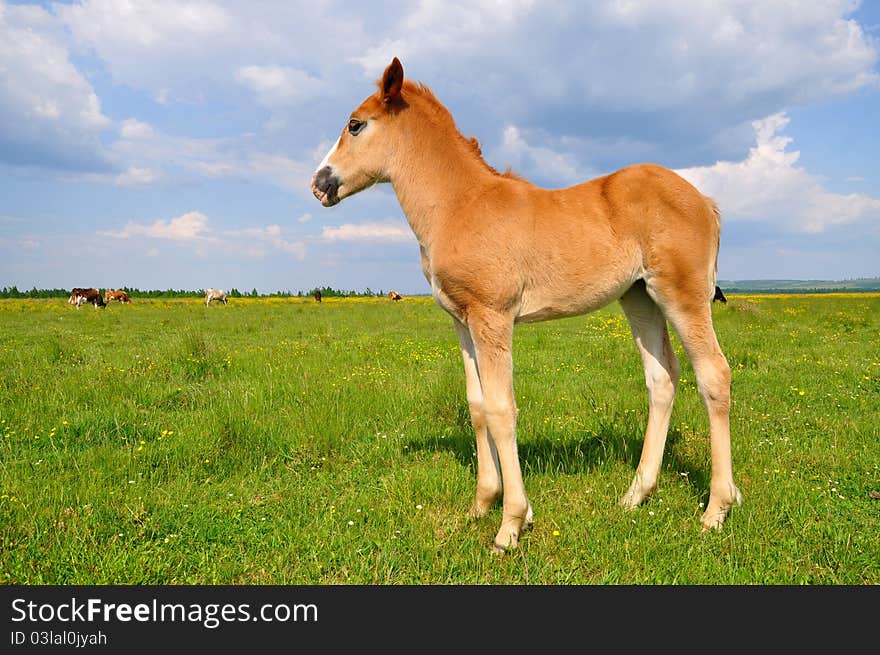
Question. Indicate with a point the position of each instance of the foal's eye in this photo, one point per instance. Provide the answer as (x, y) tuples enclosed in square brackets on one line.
[(355, 126)]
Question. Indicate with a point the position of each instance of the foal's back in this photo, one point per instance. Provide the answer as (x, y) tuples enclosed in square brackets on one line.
[(551, 253)]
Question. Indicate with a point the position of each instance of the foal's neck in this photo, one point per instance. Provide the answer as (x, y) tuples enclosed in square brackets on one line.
[(435, 177)]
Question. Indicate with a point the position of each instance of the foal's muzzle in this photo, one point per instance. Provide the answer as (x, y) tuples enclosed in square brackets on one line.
[(325, 186)]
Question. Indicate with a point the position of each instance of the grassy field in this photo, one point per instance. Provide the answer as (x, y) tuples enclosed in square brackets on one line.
[(276, 441)]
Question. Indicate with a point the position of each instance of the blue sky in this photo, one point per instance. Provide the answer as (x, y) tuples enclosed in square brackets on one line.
[(162, 143)]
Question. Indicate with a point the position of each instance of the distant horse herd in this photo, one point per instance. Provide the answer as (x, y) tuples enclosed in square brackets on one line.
[(80, 296)]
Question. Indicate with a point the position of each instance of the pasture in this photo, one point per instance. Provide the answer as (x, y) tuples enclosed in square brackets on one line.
[(284, 441)]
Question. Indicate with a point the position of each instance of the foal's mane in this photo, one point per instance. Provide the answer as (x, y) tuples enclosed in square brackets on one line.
[(441, 115)]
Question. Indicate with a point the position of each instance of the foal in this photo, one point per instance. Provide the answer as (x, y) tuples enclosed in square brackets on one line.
[(498, 250)]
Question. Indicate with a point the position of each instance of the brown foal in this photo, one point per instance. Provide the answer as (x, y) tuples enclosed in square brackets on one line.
[(498, 250)]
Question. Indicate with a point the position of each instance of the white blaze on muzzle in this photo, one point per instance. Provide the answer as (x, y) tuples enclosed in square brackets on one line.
[(328, 155), (324, 183)]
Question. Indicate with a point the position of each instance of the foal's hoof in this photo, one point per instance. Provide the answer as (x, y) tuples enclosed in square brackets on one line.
[(636, 493), (508, 537), (476, 511), (716, 512), (483, 502), (498, 549)]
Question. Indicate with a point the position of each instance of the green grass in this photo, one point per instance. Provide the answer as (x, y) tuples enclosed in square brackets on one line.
[(291, 442)]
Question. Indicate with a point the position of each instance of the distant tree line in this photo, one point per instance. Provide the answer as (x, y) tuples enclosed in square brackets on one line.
[(849, 285), (133, 292), (793, 292), (330, 292)]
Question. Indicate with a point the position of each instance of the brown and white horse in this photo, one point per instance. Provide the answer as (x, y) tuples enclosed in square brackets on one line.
[(117, 295), (498, 250), (82, 295)]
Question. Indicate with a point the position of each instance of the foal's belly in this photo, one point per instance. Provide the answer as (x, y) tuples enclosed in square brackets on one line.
[(540, 305)]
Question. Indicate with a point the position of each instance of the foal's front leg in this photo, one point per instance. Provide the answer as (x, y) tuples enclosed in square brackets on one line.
[(488, 471), (492, 335)]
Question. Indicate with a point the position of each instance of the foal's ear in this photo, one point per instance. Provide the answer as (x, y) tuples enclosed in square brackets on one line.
[(392, 80)]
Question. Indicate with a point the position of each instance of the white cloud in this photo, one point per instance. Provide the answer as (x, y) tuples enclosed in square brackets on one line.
[(145, 24), (132, 128), (768, 186), (190, 50), (142, 42), (515, 152), (384, 231), (152, 156), (49, 113), (688, 76), (282, 170), (639, 55), (279, 85), (192, 226), (515, 62), (440, 26), (259, 238), (136, 177)]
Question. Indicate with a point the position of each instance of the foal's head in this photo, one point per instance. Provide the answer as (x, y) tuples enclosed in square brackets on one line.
[(360, 156)]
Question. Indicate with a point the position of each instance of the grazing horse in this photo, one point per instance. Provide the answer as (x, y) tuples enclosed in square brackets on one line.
[(75, 293), (118, 296), (394, 295), (215, 294), (317, 295), (498, 250), (80, 296)]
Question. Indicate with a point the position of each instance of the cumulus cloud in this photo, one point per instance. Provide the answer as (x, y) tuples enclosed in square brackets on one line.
[(193, 228), (384, 231), (153, 24), (132, 128), (279, 85), (768, 186), (262, 238), (690, 71), (153, 156), (516, 152), (434, 26), (187, 50), (135, 176), (690, 76), (146, 42), (683, 81), (50, 115), (256, 93)]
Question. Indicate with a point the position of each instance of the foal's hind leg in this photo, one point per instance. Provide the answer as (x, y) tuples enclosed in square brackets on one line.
[(649, 330), (691, 316)]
